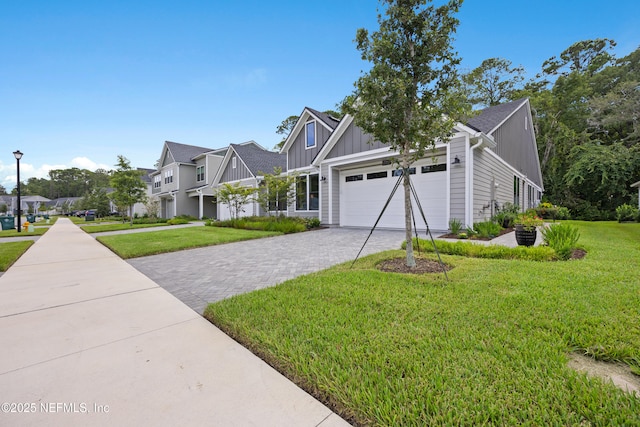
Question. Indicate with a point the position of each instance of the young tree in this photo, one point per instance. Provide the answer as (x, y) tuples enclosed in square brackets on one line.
[(410, 98), (235, 196), (152, 206), (129, 188), (277, 191)]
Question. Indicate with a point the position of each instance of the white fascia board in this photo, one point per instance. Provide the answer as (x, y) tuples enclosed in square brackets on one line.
[(223, 165), (377, 154), (302, 120), (304, 169), (333, 139), (636, 184)]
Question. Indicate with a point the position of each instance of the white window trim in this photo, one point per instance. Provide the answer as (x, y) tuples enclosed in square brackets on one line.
[(198, 168), (315, 135), (307, 193), (233, 162)]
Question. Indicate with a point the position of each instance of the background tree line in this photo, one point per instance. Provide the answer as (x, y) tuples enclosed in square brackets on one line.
[(586, 106)]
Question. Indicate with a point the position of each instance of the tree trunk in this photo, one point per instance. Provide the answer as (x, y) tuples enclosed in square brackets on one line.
[(411, 261)]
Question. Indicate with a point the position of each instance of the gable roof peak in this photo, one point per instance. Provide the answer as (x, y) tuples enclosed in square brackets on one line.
[(491, 117)]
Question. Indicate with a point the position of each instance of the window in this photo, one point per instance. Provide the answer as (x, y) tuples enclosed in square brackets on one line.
[(308, 193), (516, 191), (352, 178), (157, 181), (434, 168), (233, 162), (168, 176), (200, 173), (310, 134), (376, 175), (526, 123), (301, 193), (398, 172)]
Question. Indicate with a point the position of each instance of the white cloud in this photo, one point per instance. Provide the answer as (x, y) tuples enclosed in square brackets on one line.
[(86, 163), (28, 170)]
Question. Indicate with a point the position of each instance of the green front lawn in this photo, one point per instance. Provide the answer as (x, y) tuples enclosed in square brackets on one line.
[(156, 242), (99, 228), (11, 251), (37, 231), (489, 347)]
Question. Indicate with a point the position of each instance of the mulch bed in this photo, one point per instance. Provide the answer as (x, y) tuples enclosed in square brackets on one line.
[(399, 265)]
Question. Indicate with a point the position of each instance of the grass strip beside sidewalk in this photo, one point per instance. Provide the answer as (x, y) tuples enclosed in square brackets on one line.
[(157, 242), (11, 251)]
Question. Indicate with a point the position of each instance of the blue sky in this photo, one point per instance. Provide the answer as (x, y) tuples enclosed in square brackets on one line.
[(84, 81)]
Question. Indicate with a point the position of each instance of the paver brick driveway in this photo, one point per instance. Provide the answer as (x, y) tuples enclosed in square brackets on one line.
[(200, 276)]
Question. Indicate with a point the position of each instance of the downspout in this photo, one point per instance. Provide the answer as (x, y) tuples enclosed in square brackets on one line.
[(469, 171)]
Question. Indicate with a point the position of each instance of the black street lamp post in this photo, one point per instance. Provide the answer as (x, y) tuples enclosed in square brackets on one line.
[(18, 156)]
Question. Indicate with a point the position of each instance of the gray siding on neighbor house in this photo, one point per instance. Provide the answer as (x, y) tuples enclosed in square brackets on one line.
[(457, 147), (231, 174), (487, 172), (298, 155), (186, 205), (212, 165), (167, 160), (186, 177), (352, 141), (516, 144)]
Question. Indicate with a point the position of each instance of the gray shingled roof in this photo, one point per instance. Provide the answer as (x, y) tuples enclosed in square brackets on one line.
[(145, 176), (491, 117), (330, 121), (259, 160), (183, 153)]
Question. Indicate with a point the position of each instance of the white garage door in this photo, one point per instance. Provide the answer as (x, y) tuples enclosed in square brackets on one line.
[(364, 192)]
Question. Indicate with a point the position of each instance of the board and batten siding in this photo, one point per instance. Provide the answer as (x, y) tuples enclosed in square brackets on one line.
[(487, 172), (298, 155), (516, 145), (353, 141), (240, 172), (457, 147)]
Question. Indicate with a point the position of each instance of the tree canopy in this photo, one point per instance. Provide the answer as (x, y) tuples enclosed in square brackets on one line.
[(128, 186)]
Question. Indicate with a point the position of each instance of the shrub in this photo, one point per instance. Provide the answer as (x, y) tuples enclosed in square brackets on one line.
[(562, 238), (487, 229), (312, 222), (505, 219), (468, 249), (563, 213), (455, 225), (626, 213), (547, 211), (177, 220), (280, 224)]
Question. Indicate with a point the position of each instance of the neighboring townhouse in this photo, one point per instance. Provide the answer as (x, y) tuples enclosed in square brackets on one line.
[(345, 180), (246, 164), (181, 179), (140, 209), (30, 204)]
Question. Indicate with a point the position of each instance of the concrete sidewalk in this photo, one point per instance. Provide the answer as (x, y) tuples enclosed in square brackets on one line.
[(88, 340)]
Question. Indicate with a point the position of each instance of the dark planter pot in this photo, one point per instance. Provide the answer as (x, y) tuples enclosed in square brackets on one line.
[(525, 237)]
